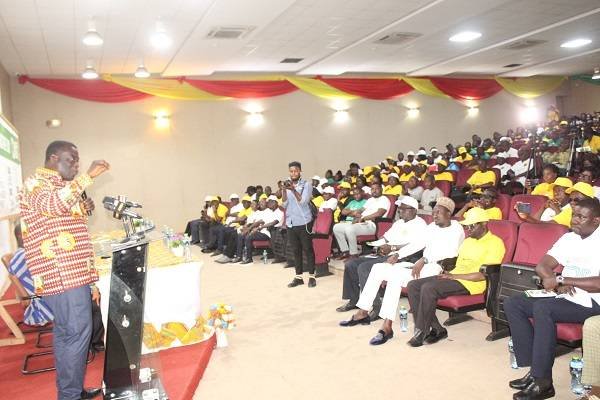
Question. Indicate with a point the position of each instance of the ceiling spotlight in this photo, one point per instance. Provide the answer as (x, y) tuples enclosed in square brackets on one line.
[(141, 72), (465, 36), (571, 44), (413, 112), (341, 116), (53, 123), (162, 120), (92, 37), (160, 39), (255, 118), (596, 73), (89, 73), (472, 111)]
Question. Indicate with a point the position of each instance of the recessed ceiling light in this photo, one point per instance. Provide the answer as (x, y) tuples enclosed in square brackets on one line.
[(141, 72), (596, 73), (160, 39), (571, 44), (92, 37), (89, 73), (465, 36)]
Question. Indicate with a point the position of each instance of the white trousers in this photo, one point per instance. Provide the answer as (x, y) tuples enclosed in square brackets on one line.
[(346, 233), (397, 276)]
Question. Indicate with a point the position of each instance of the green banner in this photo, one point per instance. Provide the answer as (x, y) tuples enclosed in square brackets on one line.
[(587, 79), (9, 143)]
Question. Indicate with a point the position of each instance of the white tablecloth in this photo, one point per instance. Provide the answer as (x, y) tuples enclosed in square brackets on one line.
[(172, 294)]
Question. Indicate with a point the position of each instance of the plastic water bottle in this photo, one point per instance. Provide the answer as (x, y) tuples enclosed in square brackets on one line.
[(511, 352), (265, 256), (576, 368), (403, 319), (244, 252)]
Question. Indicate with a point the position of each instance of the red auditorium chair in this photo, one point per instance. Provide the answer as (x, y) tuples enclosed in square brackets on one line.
[(444, 186), (503, 203), (496, 171), (322, 237), (264, 244), (382, 223), (537, 202), (458, 306), (463, 176)]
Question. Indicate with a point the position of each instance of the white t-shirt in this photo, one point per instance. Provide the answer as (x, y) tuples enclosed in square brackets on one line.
[(580, 259), (330, 204), (428, 196), (411, 233), (416, 193), (503, 168), (268, 216), (549, 213), (520, 167), (235, 209), (373, 204), (513, 153), (443, 243)]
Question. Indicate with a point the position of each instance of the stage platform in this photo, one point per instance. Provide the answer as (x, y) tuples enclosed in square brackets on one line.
[(182, 368)]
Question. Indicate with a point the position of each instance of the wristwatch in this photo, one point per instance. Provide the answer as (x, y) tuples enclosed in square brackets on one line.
[(560, 279), (425, 260)]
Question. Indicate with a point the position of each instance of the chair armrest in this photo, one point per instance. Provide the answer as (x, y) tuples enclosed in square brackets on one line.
[(319, 235), (492, 278), (383, 219)]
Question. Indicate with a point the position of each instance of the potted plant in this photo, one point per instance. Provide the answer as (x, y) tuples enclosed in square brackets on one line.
[(177, 246)]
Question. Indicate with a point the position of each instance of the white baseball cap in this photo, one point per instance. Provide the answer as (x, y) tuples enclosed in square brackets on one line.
[(366, 189), (316, 177), (421, 152), (410, 153), (408, 201), (329, 190), (272, 197), (233, 196), (208, 198)]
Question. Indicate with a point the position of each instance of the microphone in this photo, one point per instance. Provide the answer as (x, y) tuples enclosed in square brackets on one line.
[(85, 196), (120, 208)]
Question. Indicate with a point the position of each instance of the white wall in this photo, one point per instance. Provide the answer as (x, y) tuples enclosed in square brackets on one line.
[(581, 97), (210, 148)]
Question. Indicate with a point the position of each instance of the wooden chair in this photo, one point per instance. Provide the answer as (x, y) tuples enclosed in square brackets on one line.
[(19, 338)]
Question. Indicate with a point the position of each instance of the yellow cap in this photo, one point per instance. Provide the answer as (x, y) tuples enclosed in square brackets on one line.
[(475, 215), (367, 170), (384, 177), (345, 185), (263, 196), (461, 150), (214, 198), (564, 182), (246, 198), (564, 123), (443, 162), (390, 158), (584, 188)]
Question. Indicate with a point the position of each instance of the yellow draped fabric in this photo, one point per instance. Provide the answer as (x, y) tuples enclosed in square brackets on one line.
[(529, 88), (319, 88), (167, 88), (425, 86)]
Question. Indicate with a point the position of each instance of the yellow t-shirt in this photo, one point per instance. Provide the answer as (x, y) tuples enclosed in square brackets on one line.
[(544, 189), (396, 190), (406, 177), (444, 176), (338, 210), (473, 253), (318, 200), (564, 217), (244, 213), (493, 213), (593, 143), (222, 211), (481, 178)]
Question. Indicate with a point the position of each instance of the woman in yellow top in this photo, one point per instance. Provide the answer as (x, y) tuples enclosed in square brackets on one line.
[(482, 179), (544, 188), (393, 187), (442, 174), (487, 202), (407, 172), (592, 141), (463, 155)]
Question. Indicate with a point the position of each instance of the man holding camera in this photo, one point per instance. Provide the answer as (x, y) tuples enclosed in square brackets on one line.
[(296, 194), (60, 258)]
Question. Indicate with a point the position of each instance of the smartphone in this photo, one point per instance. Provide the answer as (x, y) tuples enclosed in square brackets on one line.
[(524, 208)]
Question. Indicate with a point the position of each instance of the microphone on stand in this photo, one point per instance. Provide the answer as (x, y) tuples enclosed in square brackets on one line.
[(84, 196)]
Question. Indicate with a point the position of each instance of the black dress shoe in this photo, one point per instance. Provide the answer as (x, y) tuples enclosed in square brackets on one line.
[(90, 393), (352, 322), (538, 389), (381, 338), (521, 383), (312, 282), (296, 282), (346, 307), (435, 336), (417, 340)]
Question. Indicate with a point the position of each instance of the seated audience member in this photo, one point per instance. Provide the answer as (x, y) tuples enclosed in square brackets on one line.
[(231, 226), (588, 176), (37, 312), (329, 177), (463, 156), (216, 230), (578, 298), (259, 192), (442, 174), (268, 216), (352, 210), (413, 189), (555, 205), (560, 157), (231, 236), (407, 172), (517, 174), (344, 198), (400, 158), (353, 172), (501, 164), (251, 190), (487, 201), (393, 187), (422, 156), (329, 200), (420, 170), (544, 188), (216, 215), (339, 177), (480, 248), (440, 239), (482, 179), (192, 229), (430, 195), (410, 158), (403, 232), (268, 191), (363, 222), (435, 155), (592, 140)]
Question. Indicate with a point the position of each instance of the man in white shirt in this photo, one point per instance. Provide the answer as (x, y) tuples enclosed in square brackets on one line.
[(501, 164), (517, 174), (440, 241), (330, 201), (401, 234), (578, 298), (258, 227), (363, 224), (430, 195)]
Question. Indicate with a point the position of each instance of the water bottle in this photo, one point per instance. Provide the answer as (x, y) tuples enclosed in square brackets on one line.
[(265, 256), (511, 352), (403, 319), (576, 367), (244, 252)]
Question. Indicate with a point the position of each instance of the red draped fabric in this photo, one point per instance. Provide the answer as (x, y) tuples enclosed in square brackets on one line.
[(243, 89), (92, 90), (467, 89), (375, 89)]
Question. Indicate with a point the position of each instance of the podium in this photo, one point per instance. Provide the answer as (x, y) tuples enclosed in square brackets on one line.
[(128, 375)]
